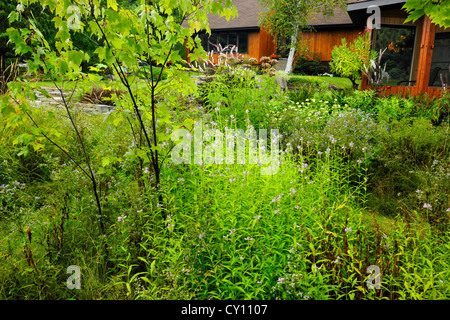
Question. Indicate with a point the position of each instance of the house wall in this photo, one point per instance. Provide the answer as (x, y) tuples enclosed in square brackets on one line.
[(253, 45), (267, 46), (422, 55), (322, 42), (397, 17), (260, 44)]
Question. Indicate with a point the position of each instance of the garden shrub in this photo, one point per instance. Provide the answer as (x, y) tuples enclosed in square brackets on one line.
[(308, 64), (411, 156), (363, 100), (394, 108), (237, 97)]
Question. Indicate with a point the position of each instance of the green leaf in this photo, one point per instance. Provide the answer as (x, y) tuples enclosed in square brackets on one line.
[(63, 66), (105, 161), (112, 4)]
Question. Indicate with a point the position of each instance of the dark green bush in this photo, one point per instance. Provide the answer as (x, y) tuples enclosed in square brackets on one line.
[(411, 155), (308, 66)]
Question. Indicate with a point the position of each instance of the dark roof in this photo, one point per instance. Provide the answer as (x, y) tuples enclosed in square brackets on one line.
[(247, 17), (248, 10), (340, 17)]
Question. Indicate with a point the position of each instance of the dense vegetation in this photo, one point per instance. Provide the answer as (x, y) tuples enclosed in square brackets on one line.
[(362, 182)]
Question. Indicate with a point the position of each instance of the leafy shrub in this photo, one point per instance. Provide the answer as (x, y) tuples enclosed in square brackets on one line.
[(237, 97), (350, 59), (319, 124), (305, 64), (310, 90), (363, 100), (394, 108), (410, 157)]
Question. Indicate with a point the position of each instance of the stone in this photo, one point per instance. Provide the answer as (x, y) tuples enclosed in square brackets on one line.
[(281, 82)]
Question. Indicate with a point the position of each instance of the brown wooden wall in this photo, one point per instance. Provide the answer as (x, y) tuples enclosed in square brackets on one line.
[(253, 45), (405, 91), (267, 46), (422, 56), (323, 41), (260, 44)]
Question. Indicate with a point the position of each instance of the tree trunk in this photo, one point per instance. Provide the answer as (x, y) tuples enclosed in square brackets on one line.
[(290, 60)]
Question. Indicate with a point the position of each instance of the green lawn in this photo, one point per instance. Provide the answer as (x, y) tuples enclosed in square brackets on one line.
[(343, 83)]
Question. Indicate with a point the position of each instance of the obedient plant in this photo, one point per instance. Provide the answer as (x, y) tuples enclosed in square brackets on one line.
[(124, 37)]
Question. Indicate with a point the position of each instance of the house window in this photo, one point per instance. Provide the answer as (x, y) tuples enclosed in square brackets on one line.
[(240, 39), (440, 62), (399, 41)]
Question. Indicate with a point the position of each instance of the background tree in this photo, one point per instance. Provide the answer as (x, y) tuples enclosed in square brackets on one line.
[(437, 10), (122, 37), (288, 18), (42, 18)]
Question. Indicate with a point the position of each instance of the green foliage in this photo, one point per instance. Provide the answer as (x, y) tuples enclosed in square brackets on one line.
[(349, 59), (240, 97), (363, 180), (437, 10), (287, 18), (304, 65)]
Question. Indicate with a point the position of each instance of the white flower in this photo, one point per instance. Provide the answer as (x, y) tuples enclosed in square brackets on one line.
[(348, 229), (427, 206)]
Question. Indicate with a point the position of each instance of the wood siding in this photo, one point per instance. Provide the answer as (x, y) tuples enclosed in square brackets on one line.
[(405, 91), (423, 52), (267, 46), (253, 45), (322, 42)]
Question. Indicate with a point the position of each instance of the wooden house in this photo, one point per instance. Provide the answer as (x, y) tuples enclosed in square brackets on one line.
[(417, 56), (242, 31)]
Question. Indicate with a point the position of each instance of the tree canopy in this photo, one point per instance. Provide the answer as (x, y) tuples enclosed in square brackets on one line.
[(288, 18), (437, 10)]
